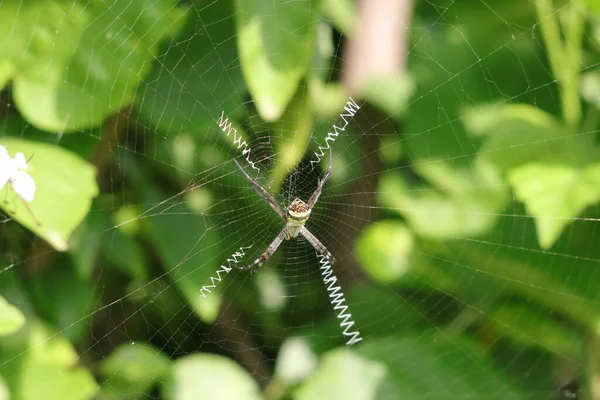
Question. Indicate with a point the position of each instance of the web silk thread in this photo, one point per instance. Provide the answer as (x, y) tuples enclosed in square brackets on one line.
[(337, 300), (227, 127), (224, 270), (350, 110)]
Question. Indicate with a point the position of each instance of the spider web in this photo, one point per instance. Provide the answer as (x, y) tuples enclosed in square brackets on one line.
[(462, 283)]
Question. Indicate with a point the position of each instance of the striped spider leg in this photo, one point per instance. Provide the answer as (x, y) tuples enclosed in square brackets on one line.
[(295, 217)]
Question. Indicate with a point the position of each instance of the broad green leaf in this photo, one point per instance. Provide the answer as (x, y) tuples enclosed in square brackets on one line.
[(426, 367), (132, 369), (4, 393), (341, 13), (590, 87), (65, 185), (191, 85), (39, 363), (189, 252), (562, 289), (291, 134), (209, 376), (65, 308), (295, 361), (11, 319), (518, 134), (77, 63), (379, 310), (6, 71), (554, 194), (593, 6), (530, 326), (275, 43), (125, 253), (85, 242), (383, 250), (466, 203), (389, 93), (344, 374)]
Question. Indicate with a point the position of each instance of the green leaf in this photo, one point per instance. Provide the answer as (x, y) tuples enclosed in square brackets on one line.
[(275, 41), (590, 87), (76, 64), (388, 93), (530, 326), (65, 185), (125, 253), (295, 361), (67, 307), (383, 249), (518, 134), (132, 369), (39, 363), (435, 370), (189, 252), (6, 71), (343, 375), (554, 194), (593, 6), (191, 85), (467, 203), (208, 376), (341, 13), (4, 393), (11, 319), (292, 134)]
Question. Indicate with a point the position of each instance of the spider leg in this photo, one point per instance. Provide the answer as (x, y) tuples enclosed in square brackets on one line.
[(316, 243), (256, 264), (315, 196), (262, 192)]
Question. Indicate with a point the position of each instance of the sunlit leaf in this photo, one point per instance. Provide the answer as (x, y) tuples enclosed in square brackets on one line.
[(291, 135), (209, 376), (189, 254), (425, 367), (132, 369), (4, 393), (466, 202), (65, 185), (383, 250), (518, 134), (296, 361), (341, 13), (11, 319), (590, 87), (275, 44), (343, 375), (39, 363), (191, 85), (76, 62), (554, 194)]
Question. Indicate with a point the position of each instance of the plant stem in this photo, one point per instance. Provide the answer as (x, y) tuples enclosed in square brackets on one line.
[(564, 55)]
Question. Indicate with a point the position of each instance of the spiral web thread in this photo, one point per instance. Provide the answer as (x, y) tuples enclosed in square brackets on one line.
[(224, 269), (337, 300)]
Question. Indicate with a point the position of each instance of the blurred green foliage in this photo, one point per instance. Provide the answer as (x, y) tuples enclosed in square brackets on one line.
[(480, 273)]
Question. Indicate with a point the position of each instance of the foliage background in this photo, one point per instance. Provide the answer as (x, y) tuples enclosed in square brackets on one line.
[(473, 275)]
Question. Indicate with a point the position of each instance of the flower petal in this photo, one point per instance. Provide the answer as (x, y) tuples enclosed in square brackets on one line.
[(4, 157), (19, 161), (24, 185)]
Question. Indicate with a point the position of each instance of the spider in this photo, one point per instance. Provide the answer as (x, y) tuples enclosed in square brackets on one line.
[(295, 217)]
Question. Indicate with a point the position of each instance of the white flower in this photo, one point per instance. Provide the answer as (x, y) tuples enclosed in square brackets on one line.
[(14, 172)]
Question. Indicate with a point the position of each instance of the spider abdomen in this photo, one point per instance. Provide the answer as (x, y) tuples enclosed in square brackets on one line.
[(298, 213)]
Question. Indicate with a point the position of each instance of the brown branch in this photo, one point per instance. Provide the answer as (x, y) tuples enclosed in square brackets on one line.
[(377, 48)]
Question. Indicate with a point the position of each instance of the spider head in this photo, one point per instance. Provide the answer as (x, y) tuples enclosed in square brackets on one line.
[(298, 211)]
